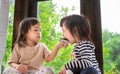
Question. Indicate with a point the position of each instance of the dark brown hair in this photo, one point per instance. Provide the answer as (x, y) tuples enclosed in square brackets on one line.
[(24, 27), (80, 23)]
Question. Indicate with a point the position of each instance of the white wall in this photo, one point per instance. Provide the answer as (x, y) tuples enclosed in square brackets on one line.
[(4, 10), (0, 5), (110, 15)]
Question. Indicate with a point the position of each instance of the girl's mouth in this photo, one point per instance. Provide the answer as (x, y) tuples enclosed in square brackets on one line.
[(38, 37)]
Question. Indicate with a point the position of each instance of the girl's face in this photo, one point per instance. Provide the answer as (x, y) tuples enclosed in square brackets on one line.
[(67, 34), (34, 34)]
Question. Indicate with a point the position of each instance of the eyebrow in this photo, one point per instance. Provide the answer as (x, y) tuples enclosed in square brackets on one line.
[(36, 27)]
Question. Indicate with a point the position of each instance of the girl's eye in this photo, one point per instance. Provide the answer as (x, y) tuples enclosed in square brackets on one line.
[(35, 30)]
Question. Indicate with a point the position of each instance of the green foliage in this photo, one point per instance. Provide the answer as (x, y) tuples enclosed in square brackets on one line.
[(50, 33), (49, 22), (106, 35), (111, 45)]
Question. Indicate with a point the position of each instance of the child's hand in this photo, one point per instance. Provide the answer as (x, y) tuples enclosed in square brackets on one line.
[(63, 71), (21, 68), (62, 44)]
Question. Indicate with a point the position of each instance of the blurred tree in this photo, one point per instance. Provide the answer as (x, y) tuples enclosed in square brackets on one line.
[(51, 32), (111, 46)]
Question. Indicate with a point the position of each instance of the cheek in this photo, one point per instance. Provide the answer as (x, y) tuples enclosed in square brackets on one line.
[(71, 38)]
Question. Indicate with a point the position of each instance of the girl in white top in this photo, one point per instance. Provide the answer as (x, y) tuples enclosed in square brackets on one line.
[(28, 54)]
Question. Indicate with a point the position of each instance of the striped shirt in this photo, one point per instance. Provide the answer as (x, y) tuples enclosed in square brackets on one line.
[(83, 56)]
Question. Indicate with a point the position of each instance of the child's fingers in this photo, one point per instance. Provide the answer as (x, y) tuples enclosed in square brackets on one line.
[(62, 44), (22, 68), (65, 45), (25, 67), (60, 72)]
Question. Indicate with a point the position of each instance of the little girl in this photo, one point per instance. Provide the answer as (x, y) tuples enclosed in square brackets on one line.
[(76, 29), (28, 54)]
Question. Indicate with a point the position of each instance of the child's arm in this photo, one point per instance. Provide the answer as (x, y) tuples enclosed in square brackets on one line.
[(13, 65), (55, 51), (20, 67), (63, 71)]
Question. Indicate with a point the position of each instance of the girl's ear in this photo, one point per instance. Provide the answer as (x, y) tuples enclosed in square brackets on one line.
[(76, 35), (75, 32)]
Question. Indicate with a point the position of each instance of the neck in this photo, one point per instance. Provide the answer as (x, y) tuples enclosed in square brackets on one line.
[(31, 43)]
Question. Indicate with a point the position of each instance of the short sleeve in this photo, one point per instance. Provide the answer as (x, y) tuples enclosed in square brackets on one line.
[(15, 55), (46, 52)]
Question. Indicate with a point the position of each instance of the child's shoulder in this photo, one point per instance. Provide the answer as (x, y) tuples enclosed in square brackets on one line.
[(16, 46), (85, 43)]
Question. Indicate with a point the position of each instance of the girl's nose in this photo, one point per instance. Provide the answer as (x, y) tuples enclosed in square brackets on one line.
[(38, 33)]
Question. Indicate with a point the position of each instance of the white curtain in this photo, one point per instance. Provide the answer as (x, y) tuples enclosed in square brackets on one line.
[(4, 11)]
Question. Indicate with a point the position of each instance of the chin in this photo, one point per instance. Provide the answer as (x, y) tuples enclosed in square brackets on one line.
[(36, 42), (72, 43)]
